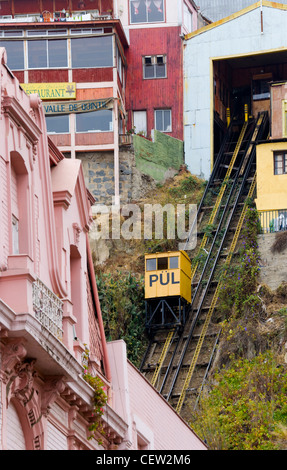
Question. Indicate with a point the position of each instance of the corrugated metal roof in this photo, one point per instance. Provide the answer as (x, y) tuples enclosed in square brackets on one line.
[(217, 9)]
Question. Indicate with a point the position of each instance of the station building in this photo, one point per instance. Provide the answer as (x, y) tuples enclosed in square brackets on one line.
[(230, 63)]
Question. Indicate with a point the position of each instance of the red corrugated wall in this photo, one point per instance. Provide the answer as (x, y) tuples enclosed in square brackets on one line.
[(156, 93)]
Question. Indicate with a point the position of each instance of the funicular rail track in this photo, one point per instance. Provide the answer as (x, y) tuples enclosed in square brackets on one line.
[(177, 358)]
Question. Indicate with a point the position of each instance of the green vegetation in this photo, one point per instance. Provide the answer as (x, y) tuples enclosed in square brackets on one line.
[(122, 303), (245, 407)]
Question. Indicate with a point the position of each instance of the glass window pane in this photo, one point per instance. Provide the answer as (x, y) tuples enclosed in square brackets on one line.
[(173, 262), (58, 53), (158, 120), (167, 123), (160, 70), (278, 164), (92, 52), (58, 124), (37, 54), (95, 121), (155, 11), (138, 11), (146, 11), (15, 54), (151, 264), (13, 33), (149, 71)]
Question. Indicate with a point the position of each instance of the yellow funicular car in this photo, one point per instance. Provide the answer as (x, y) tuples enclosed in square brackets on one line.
[(167, 288)]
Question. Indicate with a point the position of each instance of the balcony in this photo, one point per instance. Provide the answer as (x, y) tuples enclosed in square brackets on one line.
[(50, 17), (48, 309)]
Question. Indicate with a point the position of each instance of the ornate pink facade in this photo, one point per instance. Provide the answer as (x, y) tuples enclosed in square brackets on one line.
[(49, 308)]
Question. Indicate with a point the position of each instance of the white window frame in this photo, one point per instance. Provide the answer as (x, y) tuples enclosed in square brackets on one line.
[(155, 119), (146, 22), (154, 63)]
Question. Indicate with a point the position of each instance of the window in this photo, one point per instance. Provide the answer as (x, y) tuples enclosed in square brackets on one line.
[(163, 120), (14, 49), (87, 31), (58, 124), (280, 163), (151, 264), (187, 18), (120, 66), (95, 121), (260, 90), (45, 53), (15, 54), (146, 11), (173, 262), (154, 66), (92, 52)]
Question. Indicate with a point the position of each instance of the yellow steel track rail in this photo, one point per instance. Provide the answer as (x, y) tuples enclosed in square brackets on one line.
[(162, 357), (222, 191), (214, 301)]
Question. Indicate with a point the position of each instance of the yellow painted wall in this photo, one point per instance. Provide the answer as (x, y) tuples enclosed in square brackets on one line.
[(271, 189)]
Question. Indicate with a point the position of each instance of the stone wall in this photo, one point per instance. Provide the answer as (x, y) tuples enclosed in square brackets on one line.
[(99, 176), (273, 266), (141, 165)]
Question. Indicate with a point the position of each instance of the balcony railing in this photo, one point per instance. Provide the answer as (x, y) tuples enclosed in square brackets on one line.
[(125, 139), (48, 308), (273, 221), (47, 16)]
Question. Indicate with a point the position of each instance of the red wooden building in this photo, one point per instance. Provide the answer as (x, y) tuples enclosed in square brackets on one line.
[(155, 62)]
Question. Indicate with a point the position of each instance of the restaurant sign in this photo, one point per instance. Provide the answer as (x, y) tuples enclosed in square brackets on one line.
[(84, 106), (51, 91)]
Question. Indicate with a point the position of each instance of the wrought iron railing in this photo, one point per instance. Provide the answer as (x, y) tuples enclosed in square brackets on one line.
[(48, 308), (273, 221)]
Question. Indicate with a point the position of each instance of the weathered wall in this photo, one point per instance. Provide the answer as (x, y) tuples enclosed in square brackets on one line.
[(141, 165), (273, 266), (244, 38), (99, 176), (157, 157)]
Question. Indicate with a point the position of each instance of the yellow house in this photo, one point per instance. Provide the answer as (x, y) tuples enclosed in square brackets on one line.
[(271, 165)]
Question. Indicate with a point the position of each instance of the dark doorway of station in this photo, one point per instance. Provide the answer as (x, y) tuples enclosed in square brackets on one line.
[(243, 81)]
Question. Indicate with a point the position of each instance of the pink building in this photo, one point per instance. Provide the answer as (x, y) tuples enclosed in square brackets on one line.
[(50, 320)]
